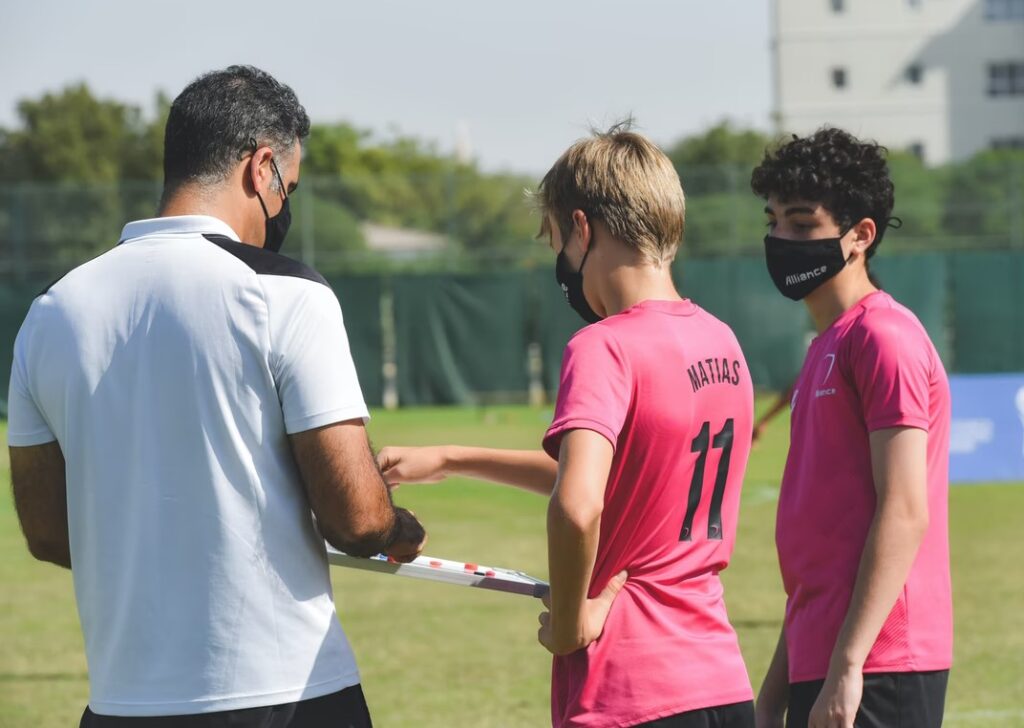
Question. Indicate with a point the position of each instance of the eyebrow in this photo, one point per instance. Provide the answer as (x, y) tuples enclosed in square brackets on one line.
[(792, 211)]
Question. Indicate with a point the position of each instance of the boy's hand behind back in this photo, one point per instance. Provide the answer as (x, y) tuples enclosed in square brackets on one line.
[(595, 612)]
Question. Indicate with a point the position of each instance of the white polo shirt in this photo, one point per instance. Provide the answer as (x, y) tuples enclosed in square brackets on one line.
[(170, 370)]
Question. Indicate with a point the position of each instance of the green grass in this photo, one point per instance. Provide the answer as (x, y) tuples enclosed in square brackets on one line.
[(434, 655)]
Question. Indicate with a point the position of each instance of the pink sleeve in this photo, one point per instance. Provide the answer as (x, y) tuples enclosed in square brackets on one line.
[(595, 388), (891, 363)]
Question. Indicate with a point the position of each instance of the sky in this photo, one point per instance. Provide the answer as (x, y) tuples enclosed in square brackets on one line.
[(517, 81)]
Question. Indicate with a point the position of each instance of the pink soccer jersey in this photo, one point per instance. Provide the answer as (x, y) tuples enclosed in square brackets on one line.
[(666, 383), (874, 368)]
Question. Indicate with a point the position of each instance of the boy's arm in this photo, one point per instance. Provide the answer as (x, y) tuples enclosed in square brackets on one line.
[(782, 402), (773, 698), (899, 465), (531, 470), (574, 524)]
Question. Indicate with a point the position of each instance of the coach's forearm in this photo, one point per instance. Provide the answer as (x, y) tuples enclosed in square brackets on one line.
[(531, 470)]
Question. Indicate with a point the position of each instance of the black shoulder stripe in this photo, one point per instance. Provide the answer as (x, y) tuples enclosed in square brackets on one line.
[(51, 284), (266, 262)]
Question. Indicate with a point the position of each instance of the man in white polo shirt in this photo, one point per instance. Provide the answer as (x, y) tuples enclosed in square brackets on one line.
[(186, 427)]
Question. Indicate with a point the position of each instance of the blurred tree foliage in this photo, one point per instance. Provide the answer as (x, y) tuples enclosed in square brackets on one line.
[(75, 167)]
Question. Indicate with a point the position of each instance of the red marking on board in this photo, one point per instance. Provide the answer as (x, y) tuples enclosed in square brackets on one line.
[(471, 567), (489, 573), (435, 564)]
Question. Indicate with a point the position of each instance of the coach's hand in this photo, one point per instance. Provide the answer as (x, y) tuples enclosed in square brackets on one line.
[(412, 465), (408, 538), (838, 701), (563, 641)]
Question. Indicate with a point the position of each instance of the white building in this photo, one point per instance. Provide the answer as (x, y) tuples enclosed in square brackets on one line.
[(942, 78)]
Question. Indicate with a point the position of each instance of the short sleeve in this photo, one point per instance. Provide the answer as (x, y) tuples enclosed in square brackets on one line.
[(891, 367), (310, 357), (26, 425), (595, 389)]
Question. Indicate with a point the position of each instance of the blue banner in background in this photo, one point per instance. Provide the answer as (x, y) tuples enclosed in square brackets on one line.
[(987, 433)]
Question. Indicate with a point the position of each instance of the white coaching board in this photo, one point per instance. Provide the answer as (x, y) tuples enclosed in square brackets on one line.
[(446, 571)]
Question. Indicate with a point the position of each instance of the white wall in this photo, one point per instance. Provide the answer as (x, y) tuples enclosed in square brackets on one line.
[(949, 112)]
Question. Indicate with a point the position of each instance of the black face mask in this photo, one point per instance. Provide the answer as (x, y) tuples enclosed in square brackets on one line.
[(571, 282), (276, 226), (797, 267)]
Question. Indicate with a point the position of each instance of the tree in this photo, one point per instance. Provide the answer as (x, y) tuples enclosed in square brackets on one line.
[(718, 160), (71, 136), (722, 216), (919, 198), (84, 149), (985, 198), (405, 182)]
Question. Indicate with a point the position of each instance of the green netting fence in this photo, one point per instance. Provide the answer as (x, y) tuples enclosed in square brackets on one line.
[(498, 337)]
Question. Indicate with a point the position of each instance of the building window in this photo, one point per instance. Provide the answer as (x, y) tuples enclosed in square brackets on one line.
[(914, 74), (1013, 142), (838, 6), (839, 78), (1004, 9), (917, 149), (1006, 79)]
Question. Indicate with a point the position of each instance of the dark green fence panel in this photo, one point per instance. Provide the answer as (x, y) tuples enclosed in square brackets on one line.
[(464, 339), (15, 299), (461, 339), (921, 283), (772, 330), (988, 313), (360, 298), (554, 323)]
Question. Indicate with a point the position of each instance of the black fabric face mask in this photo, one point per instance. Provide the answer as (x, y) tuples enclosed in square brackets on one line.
[(276, 226), (571, 282), (798, 267)]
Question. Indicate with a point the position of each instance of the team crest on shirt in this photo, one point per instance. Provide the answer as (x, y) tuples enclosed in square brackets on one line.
[(825, 390)]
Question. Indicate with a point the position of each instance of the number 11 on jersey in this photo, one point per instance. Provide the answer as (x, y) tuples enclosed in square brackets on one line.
[(701, 444)]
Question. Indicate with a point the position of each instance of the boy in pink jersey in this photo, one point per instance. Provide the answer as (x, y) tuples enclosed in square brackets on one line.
[(862, 522), (643, 462)]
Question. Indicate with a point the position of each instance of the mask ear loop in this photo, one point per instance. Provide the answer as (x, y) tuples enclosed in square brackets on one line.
[(266, 213), (582, 262), (846, 261)]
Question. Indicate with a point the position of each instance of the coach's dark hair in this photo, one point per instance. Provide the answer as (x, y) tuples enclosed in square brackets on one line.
[(212, 120), (850, 178)]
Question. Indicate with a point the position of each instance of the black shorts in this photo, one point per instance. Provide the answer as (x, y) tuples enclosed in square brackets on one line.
[(735, 715), (343, 709), (891, 700)]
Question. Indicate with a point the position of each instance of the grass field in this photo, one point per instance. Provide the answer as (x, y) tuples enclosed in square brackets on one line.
[(434, 655)]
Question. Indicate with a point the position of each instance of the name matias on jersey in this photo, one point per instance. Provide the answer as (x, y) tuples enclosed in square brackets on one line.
[(714, 371)]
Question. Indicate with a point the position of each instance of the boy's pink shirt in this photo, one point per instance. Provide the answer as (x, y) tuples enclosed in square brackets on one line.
[(874, 368), (648, 379)]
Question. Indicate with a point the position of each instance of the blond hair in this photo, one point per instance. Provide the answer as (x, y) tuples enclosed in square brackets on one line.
[(624, 180)]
